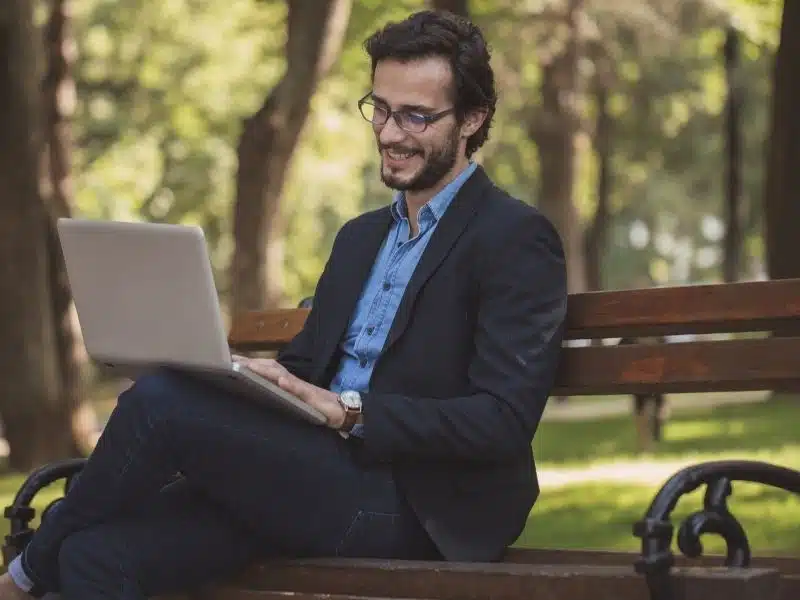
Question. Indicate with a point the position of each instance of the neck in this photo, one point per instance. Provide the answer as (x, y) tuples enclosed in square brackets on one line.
[(417, 199)]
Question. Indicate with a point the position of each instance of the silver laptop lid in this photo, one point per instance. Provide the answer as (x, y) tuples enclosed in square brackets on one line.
[(144, 294)]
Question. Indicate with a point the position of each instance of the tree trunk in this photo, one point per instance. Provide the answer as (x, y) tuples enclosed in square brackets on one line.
[(782, 209), (458, 7), (59, 107), (316, 30), (556, 130), (36, 423), (731, 264), (597, 233)]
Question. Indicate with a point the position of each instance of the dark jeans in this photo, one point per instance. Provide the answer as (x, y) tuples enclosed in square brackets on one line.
[(254, 484)]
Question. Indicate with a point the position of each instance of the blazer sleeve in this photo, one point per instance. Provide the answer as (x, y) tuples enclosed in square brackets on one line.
[(518, 336), (297, 356)]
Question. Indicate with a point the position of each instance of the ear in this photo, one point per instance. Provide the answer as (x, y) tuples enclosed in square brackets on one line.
[(472, 122)]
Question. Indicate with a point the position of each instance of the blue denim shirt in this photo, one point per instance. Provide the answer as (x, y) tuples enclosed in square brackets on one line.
[(398, 257)]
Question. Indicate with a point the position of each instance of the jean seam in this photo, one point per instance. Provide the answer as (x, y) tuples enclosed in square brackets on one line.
[(358, 517), (346, 535)]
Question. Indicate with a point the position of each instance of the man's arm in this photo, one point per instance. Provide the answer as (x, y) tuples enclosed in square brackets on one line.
[(519, 329), (297, 356)]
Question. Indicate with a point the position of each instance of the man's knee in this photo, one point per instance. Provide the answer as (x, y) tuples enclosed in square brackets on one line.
[(156, 390)]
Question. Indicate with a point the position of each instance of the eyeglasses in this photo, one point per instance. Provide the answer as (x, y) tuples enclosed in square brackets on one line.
[(408, 120)]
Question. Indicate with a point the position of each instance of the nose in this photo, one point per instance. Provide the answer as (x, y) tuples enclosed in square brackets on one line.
[(390, 133)]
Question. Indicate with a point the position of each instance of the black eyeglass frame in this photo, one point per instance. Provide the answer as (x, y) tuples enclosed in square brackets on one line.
[(427, 119)]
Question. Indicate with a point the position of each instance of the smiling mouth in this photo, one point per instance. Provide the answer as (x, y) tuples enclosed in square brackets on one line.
[(399, 154)]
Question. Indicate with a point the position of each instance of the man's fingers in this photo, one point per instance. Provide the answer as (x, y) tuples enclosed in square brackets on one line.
[(290, 384), (267, 368)]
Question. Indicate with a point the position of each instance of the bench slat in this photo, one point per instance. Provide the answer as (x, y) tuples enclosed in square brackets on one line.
[(790, 587), (499, 581), (241, 594), (754, 364), (713, 308), (736, 307), (267, 329), (554, 556)]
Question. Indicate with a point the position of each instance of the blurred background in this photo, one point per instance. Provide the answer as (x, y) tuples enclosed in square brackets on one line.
[(658, 135)]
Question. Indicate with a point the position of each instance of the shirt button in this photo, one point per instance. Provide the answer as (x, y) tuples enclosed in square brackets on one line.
[(370, 330), (386, 285)]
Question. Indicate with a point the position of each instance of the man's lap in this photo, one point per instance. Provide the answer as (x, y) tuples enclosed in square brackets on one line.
[(255, 484), (256, 463)]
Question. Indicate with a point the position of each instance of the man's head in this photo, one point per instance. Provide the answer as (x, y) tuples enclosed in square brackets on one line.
[(432, 98)]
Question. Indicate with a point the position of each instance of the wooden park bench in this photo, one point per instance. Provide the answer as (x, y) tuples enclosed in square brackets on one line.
[(755, 361)]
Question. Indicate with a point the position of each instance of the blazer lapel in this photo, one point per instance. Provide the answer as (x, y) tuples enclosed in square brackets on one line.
[(358, 255), (450, 227)]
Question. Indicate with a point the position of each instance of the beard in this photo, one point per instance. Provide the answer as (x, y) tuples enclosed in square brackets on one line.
[(438, 164)]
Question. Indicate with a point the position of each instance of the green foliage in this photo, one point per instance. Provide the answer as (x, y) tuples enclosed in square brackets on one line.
[(163, 88)]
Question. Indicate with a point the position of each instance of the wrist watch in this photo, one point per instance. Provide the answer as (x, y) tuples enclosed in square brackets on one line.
[(350, 401)]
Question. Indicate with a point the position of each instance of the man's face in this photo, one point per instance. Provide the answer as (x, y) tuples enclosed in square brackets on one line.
[(416, 161)]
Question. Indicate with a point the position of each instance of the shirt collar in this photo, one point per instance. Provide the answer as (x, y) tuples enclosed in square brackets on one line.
[(437, 205)]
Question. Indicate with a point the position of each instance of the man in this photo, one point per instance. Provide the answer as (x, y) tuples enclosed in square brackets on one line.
[(431, 348)]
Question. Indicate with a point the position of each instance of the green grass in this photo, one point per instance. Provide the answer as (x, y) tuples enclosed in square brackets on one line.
[(764, 431), (601, 516), (598, 515)]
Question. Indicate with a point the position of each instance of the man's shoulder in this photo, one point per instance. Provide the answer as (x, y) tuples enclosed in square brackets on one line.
[(502, 210)]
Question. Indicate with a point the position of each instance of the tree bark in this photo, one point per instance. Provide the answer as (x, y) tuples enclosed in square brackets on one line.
[(782, 209), (37, 425), (59, 108), (731, 264), (597, 233), (316, 30), (458, 7), (556, 130)]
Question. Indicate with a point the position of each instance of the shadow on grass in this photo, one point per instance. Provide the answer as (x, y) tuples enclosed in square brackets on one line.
[(601, 516), (744, 429)]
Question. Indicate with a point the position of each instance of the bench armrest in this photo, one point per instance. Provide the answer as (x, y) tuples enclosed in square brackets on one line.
[(656, 530)]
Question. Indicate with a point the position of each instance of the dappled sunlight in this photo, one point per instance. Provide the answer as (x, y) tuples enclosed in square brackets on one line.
[(762, 431), (601, 516), (694, 430), (595, 485)]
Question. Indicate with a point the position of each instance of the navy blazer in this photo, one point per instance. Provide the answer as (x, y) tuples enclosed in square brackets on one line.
[(467, 368)]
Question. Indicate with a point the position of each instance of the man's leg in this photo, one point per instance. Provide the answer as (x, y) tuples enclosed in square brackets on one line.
[(293, 487), (175, 542)]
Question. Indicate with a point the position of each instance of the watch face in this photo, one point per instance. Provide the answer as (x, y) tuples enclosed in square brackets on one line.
[(351, 400)]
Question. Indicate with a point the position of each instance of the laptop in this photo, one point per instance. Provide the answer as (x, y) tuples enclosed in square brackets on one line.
[(145, 298)]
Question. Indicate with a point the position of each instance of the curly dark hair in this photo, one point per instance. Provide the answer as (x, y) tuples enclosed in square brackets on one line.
[(431, 33)]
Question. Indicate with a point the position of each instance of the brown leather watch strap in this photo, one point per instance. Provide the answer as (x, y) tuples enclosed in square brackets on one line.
[(350, 419)]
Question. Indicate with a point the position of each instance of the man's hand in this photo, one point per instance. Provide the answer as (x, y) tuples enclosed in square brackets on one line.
[(323, 400)]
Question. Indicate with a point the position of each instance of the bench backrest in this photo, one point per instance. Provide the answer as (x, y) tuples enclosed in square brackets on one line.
[(744, 355)]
